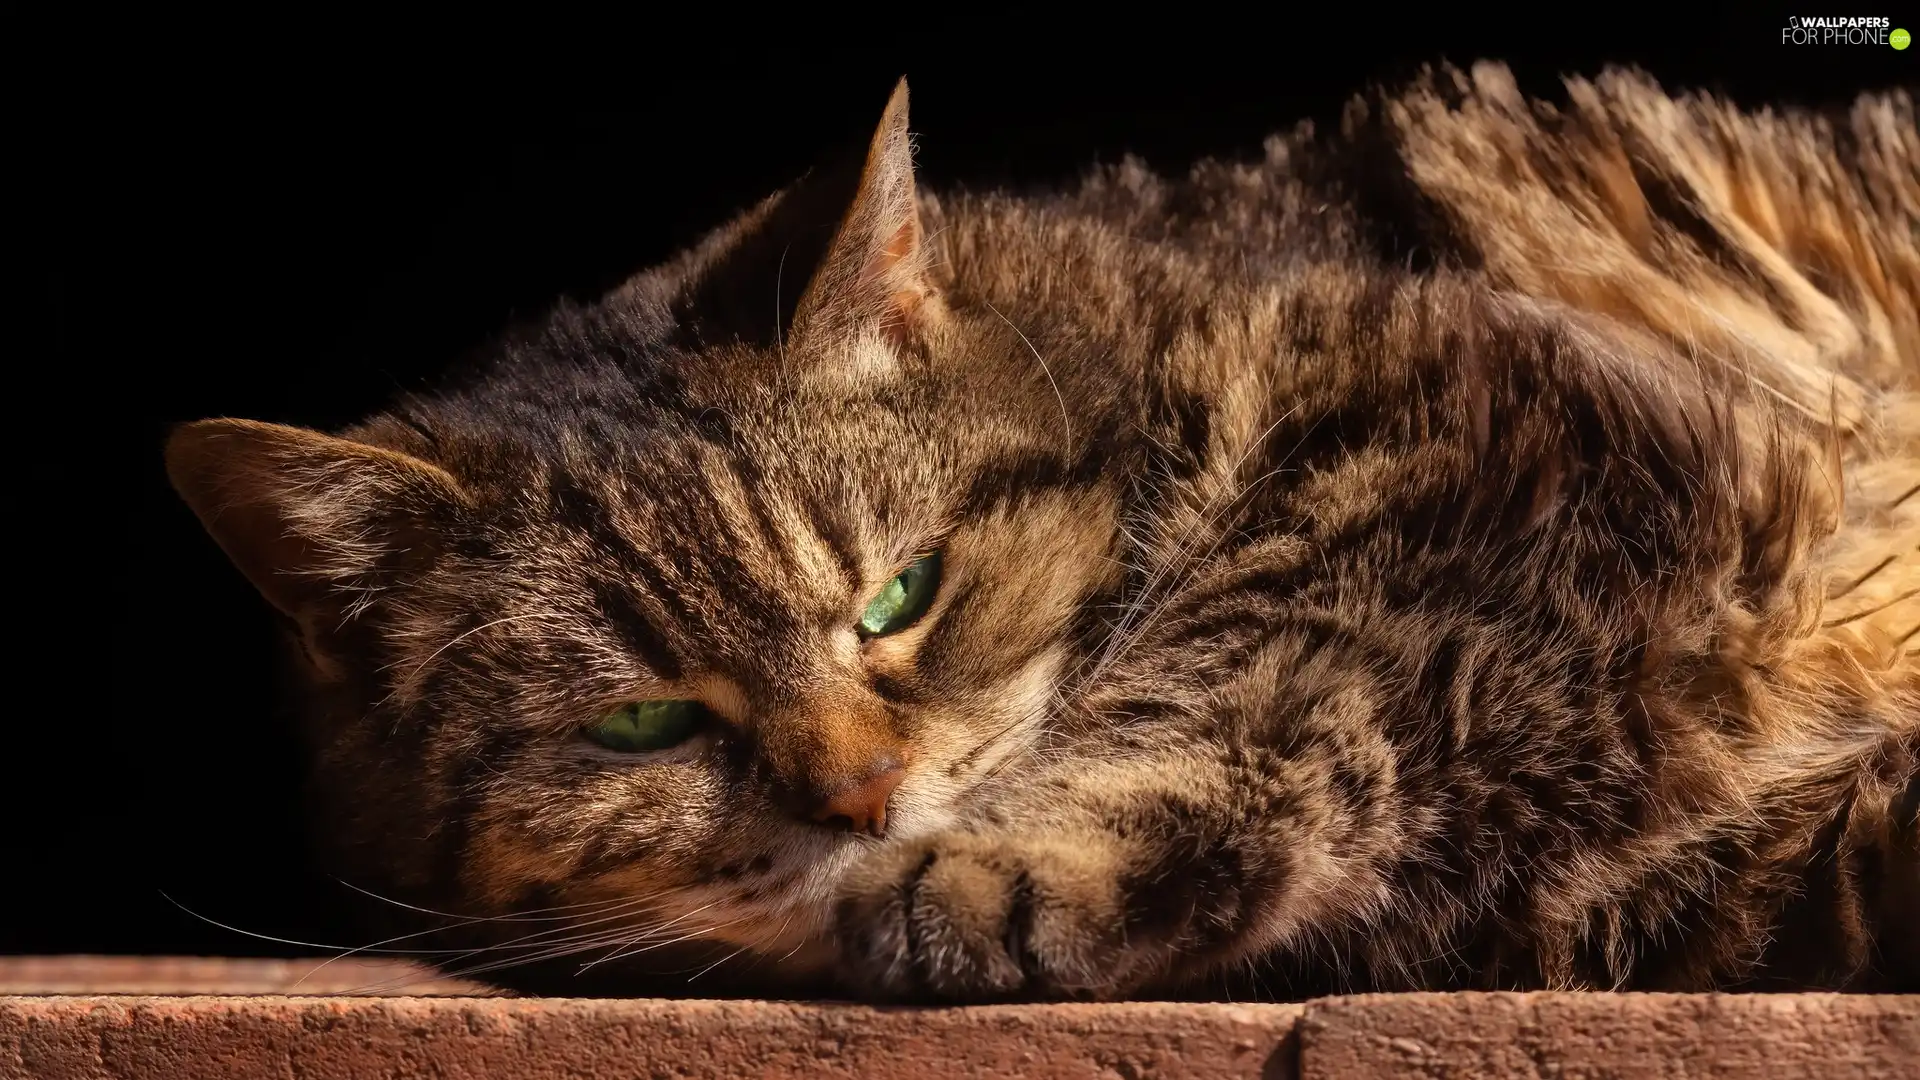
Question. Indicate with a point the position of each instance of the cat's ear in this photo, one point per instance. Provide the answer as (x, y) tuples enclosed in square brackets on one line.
[(315, 522), (874, 274)]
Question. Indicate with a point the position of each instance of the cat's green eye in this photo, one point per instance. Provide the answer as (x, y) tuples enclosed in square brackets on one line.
[(641, 726), (905, 598)]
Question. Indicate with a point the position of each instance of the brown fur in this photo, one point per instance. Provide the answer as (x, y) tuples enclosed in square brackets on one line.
[(1480, 549)]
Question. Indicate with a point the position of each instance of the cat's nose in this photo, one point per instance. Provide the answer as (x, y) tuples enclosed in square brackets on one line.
[(861, 806)]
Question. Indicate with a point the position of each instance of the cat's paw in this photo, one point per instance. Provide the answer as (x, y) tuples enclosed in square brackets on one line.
[(968, 917)]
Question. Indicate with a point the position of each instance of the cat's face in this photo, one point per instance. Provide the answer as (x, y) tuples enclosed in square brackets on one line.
[(669, 625), (837, 604)]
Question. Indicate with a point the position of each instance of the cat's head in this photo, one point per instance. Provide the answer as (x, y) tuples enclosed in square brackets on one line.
[(692, 597)]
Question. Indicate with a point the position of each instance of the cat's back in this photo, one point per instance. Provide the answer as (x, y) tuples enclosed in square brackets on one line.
[(1770, 260)]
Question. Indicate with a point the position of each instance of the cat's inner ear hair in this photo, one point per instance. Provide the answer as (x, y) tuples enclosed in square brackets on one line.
[(875, 275), (314, 521)]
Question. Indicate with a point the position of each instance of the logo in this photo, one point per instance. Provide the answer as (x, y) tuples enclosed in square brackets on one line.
[(1842, 30)]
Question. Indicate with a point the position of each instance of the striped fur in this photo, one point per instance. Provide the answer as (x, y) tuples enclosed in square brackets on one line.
[(1478, 548)]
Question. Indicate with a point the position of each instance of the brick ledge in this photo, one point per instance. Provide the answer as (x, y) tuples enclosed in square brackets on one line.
[(1817, 1036)]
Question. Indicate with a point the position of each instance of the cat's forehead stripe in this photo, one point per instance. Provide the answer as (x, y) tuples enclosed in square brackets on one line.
[(820, 563)]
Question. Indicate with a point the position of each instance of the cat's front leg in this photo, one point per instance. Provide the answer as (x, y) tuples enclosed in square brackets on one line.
[(1128, 881)]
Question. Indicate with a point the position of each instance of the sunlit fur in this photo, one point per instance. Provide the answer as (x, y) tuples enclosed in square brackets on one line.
[(1475, 549)]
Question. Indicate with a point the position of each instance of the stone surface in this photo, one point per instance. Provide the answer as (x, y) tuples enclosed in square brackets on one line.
[(118, 1025), (1613, 1036), (538, 1038)]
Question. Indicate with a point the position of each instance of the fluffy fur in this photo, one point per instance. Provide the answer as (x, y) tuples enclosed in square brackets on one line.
[(1477, 549)]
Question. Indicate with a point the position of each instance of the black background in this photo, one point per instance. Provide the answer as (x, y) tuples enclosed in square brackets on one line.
[(292, 241)]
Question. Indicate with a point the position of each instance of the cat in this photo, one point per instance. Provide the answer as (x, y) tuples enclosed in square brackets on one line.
[(1477, 548)]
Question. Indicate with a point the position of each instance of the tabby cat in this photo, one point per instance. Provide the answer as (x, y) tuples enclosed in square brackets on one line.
[(1475, 549)]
